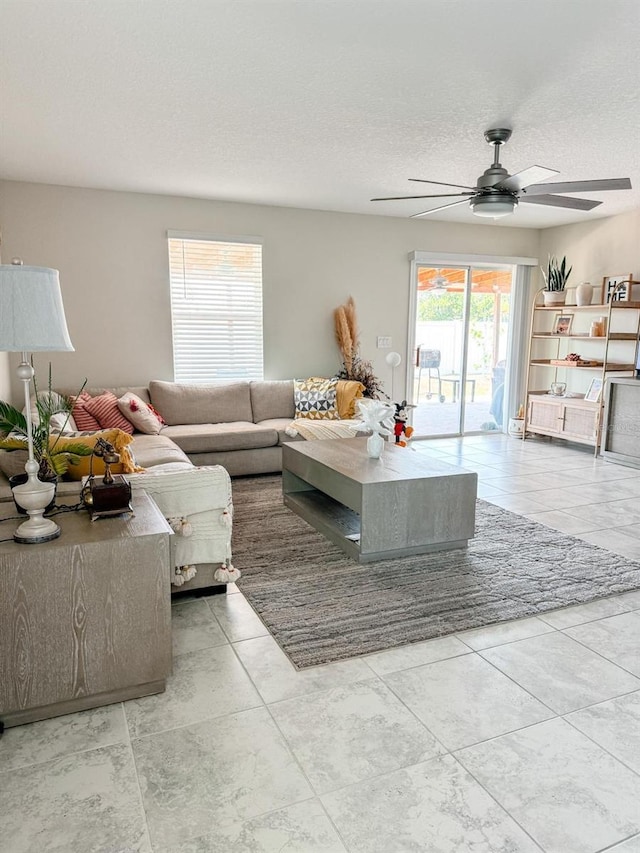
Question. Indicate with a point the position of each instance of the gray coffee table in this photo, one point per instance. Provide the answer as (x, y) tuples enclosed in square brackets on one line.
[(401, 504)]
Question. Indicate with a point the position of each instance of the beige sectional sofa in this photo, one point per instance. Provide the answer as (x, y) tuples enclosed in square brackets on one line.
[(240, 425)]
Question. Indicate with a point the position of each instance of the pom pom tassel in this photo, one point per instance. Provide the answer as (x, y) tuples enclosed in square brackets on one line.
[(227, 573), (181, 526), (182, 574)]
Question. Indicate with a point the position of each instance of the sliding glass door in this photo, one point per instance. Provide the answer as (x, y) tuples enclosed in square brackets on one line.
[(461, 333)]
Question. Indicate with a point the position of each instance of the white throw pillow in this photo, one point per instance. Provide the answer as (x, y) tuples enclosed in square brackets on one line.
[(60, 421), (143, 417)]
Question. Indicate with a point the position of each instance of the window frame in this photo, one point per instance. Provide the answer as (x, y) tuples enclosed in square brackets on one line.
[(243, 341)]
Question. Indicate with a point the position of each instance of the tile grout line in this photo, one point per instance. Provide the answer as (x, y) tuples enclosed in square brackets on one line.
[(599, 654), (135, 770), (257, 615), (289, 749), (498, 803), (587, 621), (316, 795), (599, 745), (508, 642), (617, 844), (58, 757), (560, 713)]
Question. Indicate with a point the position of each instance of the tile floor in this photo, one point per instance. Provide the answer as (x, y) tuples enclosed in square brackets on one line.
[(515, 738)]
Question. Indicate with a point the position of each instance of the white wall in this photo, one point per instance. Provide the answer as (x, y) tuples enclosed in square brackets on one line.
[(595, 249), (111, 251)]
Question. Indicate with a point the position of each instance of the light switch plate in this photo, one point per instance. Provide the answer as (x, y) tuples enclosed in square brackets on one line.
[(384, 342)]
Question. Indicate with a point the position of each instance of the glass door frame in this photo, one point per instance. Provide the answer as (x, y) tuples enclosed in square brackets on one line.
[(518, 309)]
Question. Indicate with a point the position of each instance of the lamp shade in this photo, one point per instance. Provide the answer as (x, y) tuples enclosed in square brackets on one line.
[(31, 311)]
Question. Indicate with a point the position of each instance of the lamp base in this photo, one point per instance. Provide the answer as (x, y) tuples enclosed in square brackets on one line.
[(33, 496), (35, 530)]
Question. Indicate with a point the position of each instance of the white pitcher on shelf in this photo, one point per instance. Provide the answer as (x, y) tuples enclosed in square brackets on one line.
[(584, 293)]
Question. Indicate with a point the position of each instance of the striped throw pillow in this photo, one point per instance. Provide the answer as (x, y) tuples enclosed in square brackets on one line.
[(83, 420), (105, 410)]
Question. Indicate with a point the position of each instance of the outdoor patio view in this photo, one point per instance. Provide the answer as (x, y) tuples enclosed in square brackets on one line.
[(447, 327)]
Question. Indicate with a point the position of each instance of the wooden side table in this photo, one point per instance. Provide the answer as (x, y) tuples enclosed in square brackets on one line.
[(85, 620)]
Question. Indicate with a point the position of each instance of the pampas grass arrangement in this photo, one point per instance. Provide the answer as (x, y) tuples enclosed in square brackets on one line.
[(348, 338)]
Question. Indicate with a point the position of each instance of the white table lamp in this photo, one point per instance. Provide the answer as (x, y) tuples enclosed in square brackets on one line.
[(32, 320)]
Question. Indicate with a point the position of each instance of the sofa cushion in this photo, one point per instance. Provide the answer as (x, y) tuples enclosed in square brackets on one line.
[(12, 462), (201, 404), (272, 399), (280, 425), (205, 438), (151, 450)]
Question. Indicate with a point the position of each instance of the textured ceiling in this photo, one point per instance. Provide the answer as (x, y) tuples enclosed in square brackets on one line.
[(320, 103)]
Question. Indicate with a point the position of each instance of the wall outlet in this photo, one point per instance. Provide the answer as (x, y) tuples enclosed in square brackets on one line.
[(384, 342)]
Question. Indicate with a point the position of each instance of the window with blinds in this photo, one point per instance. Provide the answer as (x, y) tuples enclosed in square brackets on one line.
[(216, 309)]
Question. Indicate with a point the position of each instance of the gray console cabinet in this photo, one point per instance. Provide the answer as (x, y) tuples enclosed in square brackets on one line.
[(85, 620), (621, 425)]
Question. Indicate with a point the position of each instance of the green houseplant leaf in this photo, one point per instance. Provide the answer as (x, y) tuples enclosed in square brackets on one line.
[(557, 274), (14, 436)]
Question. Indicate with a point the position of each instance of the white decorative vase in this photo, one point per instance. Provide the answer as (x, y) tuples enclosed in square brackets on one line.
[(554, 297), (584, 293), (375, 445)]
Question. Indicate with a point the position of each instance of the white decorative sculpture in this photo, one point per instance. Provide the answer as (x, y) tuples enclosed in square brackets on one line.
[(376, 417)]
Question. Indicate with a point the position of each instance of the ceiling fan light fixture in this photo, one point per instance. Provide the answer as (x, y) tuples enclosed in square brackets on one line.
[(494, 206), (438, 284)]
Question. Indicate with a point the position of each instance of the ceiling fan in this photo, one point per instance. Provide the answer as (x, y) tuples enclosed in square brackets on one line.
[(498, 193), (438, 284)]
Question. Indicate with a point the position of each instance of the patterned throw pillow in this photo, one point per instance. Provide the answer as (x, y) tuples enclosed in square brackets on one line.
[(315, 398), (143, 416), (84, 421), (105, 410)]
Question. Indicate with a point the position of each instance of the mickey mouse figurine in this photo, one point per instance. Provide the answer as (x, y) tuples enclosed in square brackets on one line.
[(400, 428)]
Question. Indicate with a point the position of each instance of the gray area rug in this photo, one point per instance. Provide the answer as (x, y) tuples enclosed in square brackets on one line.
[(320, 606)]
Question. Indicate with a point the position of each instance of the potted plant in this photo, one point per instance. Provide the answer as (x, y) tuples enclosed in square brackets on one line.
[(53, 460), (555, 280)]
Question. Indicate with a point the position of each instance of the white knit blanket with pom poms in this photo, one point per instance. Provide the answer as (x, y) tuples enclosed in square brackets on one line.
[(201, 496)]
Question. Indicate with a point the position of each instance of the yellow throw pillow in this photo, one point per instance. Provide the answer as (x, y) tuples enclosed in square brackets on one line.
[(117, 437), (347, 392)]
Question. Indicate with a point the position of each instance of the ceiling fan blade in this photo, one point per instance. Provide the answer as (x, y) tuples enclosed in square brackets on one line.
[(439, 195), (525, 178), (442, 184), (582, 186), (561, 201), (435, 209)]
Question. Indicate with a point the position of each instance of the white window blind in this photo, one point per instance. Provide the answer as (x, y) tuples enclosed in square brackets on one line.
[(216, 309)]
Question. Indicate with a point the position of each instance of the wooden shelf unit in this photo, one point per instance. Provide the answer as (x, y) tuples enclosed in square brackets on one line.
[(611, 365), (571, 417), (597, 309)]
